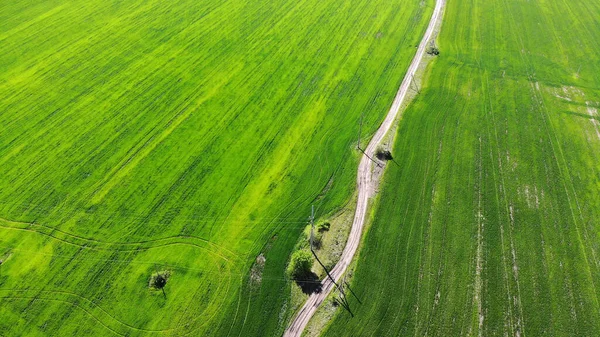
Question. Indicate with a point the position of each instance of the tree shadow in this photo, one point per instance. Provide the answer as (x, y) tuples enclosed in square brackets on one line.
[(384, 155), (310, 284)]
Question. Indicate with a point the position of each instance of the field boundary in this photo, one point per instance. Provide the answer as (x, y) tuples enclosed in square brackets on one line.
[(366, 184)]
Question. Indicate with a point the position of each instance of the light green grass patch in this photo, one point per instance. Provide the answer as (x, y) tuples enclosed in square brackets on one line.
[(190, 135)]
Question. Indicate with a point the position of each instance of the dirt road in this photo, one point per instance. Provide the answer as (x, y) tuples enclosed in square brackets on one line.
[(365, 185)]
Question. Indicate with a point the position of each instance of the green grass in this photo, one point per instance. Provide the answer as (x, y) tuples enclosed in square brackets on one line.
[(489, 226), (187, 136)]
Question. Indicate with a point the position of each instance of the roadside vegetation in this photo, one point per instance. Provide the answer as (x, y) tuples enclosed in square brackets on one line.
[(300, 265), (488, 225)]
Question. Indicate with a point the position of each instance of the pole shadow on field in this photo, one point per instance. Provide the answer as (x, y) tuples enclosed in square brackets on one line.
[(342, 299), (352, 292)]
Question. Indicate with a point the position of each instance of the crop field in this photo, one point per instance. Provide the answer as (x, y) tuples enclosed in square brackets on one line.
[(489, 224), (181, 136)]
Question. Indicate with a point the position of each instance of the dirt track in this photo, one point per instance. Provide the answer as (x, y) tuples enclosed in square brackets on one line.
[(365, 185)]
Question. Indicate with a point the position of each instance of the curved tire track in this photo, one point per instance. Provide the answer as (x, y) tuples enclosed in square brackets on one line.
[(104, 317), (93, 244)]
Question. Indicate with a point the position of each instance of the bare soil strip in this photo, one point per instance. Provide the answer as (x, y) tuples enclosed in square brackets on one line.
[(366, 185)]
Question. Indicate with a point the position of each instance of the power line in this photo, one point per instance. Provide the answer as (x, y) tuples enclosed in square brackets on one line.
[(226, 222), (211, 271)]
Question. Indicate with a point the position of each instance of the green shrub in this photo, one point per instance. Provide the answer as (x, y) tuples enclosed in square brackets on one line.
[(432, 51), (383, 154), (159, 279), (300, 264), (323, 226)]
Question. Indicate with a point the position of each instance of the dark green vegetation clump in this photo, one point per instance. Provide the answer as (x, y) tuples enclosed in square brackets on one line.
[(383, 154), (432, 50), (158, 280), (489, 224)]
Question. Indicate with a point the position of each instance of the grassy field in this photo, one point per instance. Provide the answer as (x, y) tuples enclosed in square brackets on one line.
[(489, 225), (188, 136)]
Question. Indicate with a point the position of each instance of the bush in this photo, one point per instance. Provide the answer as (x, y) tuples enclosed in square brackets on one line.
[(382, 154), (301, 264), (432, 51), (159, 279), (323, 226)]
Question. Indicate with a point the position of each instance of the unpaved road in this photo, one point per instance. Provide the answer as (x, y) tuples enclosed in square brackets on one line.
[(366, 185)]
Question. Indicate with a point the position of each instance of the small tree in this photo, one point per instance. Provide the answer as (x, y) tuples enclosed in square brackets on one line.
[(158, 280), (383, 154), (301, 264), (431, 50), (323, 226)]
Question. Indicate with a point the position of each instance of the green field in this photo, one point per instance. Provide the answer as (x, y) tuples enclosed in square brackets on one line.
[(184, 135), (489, 225)]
